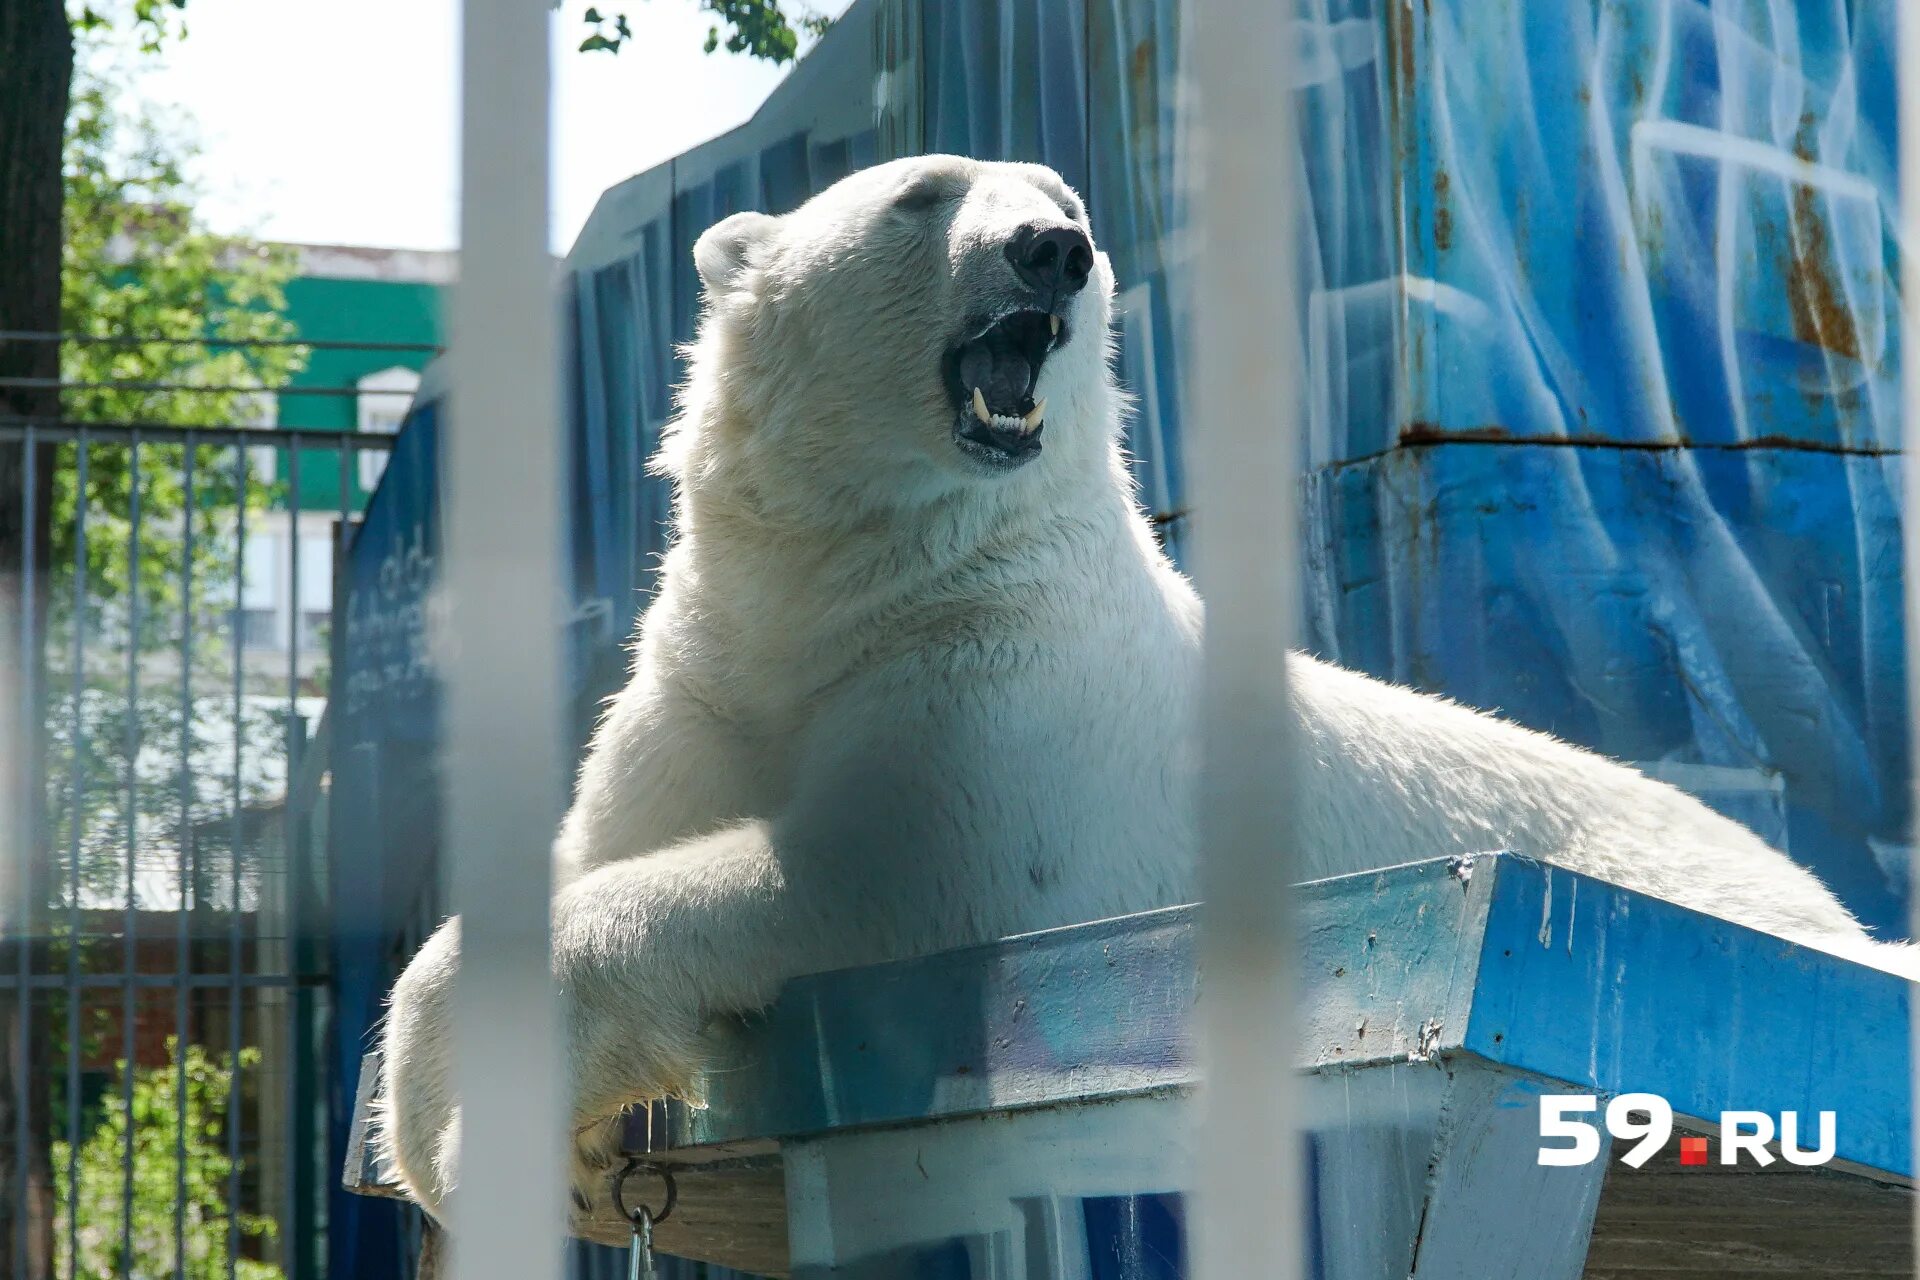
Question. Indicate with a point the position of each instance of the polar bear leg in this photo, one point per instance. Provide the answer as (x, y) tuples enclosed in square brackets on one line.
[(417, 1132), (645, 951)]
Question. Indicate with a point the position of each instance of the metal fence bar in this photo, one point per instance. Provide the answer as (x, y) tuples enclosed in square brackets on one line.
[(504, 778), (1245, 392), (312, 344), (184, 955), (29, 846), (293, 630), (84, 856), (301, 1192), (296, 730), (242, 474), (157, 981), (130, 931), (75, 817), (193, 388), (56, 430)]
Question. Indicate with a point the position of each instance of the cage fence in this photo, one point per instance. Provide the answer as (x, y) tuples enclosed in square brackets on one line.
[(164, 986)]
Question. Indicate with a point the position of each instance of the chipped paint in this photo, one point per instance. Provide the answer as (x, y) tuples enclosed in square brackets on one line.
[(1573, 910), (1546, 909), (1426, 1041)]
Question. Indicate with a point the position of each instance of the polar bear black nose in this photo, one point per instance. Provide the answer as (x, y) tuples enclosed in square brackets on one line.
[(1057, 260)]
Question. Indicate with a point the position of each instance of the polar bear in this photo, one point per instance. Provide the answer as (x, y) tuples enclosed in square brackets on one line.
[(918, 675)]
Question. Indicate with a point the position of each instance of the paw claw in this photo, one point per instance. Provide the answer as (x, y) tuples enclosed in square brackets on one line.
[(596, 1154)]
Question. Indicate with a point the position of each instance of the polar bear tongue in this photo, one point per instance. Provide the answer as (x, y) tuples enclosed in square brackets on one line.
[(1001, 372)]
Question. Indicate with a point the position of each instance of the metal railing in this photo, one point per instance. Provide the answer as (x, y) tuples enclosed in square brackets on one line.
[(1247, 394), (505, 788), (164, 967)]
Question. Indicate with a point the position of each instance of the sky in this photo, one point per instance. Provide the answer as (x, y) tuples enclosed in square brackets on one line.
[(335, 121)]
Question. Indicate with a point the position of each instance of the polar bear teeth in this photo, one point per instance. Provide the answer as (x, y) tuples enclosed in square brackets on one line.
[(1007, 421)]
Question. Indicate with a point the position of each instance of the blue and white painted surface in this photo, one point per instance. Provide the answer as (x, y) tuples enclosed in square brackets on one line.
[(1604, 371), (1521, 965), (1021, 1109), (1069, 1194)]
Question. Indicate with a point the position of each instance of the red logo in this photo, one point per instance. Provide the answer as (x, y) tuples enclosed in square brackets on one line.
[(1693, 1151)]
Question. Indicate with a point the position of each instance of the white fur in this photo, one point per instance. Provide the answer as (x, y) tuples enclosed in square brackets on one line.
[(887, 702)]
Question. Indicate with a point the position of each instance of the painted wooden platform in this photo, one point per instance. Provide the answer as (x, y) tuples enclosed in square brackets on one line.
[(1443, 998)]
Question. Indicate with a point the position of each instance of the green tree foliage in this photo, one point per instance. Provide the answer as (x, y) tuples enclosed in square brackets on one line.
[(152, 21), (152, 1126), (139, 264), (761, 28)]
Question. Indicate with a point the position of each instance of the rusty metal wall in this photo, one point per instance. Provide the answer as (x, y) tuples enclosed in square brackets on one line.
[(1605, 403)]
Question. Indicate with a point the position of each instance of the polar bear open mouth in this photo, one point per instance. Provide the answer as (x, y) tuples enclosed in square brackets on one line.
[(991, 376)]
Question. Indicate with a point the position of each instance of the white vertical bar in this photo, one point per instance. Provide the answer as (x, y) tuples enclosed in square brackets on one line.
[(1907, 66), (1244, 392), (502, 632)]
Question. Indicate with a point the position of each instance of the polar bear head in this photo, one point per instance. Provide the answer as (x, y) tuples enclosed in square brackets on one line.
[(926, 327)]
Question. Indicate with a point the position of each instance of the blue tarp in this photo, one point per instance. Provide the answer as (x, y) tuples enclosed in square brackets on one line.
[(1601, 317)]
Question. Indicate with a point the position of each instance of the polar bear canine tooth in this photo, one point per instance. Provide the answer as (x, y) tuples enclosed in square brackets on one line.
[(980, 407), (1053, 322), (1035, 414)]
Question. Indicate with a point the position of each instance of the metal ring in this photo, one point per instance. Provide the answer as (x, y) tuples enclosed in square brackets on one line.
[(633, 1215)]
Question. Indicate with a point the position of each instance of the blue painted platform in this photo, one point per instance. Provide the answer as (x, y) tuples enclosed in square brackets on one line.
[(1022, 1108), (1519, 964)]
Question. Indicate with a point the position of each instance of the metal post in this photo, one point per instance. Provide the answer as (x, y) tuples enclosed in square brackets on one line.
[(1907, 66), (295, 733), (183, 954), (502, 647), (76, 817), (242, 476), (1244, 391), (32, 730), (129, 949)]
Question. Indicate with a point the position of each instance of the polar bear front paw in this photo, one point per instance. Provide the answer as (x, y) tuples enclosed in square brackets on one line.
[(596, 1159)]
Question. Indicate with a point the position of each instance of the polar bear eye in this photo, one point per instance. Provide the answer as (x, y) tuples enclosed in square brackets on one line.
[(923, 194)]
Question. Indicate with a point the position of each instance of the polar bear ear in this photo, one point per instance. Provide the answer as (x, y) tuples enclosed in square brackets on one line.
[(721, 254)]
